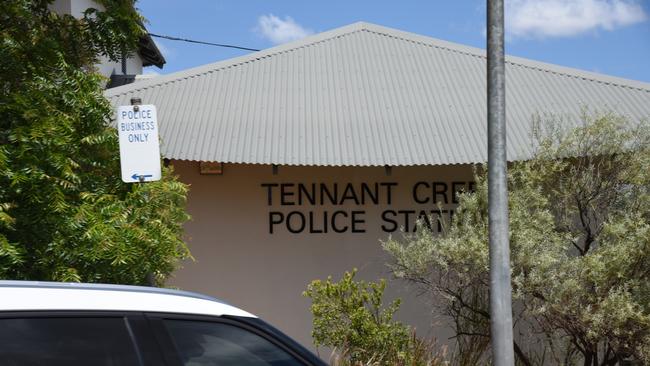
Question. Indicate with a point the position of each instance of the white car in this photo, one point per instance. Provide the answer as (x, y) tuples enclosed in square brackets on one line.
[(68, 324)]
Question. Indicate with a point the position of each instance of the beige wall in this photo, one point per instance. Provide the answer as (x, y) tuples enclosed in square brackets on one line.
[(239, 261)]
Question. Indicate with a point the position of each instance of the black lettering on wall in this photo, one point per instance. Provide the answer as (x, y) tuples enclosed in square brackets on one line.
[(333, 198), (423, 217), (456, 188), (304, 193), (285, 194), (407, 215), (348, 194), (389, 193), (440, 188), (275, 218), (357, 219), (312, 229), (356, 195), (301, 222), (373, 194), (269, 187), (416, 197), (335, 227), (388, 216)]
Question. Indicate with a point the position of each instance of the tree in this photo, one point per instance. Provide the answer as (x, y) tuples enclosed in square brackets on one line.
[(580, 249), (64, 213)]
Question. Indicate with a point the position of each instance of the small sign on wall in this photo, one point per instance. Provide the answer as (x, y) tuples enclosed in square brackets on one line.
[(211, 168)]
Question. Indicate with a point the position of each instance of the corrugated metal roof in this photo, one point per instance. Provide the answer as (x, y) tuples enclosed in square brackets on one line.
[(364, 95)]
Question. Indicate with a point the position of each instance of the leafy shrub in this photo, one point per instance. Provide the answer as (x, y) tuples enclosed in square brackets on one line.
[(579, 216), (350, 318)]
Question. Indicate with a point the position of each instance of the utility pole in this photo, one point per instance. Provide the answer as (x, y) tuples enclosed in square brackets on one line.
[(500, 291)]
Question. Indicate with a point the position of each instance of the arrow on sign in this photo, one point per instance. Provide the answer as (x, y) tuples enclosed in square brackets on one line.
[(137, 176)]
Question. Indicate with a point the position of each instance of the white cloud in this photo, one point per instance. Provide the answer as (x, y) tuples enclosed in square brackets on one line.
[(279, 30), (565, 18)]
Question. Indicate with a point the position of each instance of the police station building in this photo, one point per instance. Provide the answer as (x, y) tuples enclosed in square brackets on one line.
[(302, 157)]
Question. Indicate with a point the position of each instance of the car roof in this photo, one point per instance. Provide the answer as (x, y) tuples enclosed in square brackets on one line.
[(47, 296)]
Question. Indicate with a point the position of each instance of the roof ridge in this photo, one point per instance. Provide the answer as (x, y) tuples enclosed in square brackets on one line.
[(364, 95), (384, 31), (513, 60), (237, 61)]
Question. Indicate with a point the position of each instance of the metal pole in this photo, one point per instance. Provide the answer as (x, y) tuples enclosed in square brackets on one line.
[(149, 277), (500, 291)]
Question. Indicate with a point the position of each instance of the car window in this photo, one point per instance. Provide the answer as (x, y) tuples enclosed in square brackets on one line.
[(66, 342), (209, 343)]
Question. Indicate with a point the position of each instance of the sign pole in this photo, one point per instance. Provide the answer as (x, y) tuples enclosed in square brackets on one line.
[(500, 290), (136, 102)]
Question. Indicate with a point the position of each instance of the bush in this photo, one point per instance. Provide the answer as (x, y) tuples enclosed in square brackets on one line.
[(350, 318), (579, 214)]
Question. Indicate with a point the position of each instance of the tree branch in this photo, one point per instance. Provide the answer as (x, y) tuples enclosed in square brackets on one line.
[(520, 354)]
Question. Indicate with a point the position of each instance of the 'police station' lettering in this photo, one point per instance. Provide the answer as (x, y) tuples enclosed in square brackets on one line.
[(339, 208)]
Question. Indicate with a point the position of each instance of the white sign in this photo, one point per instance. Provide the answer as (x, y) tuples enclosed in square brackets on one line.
[(139, 148)]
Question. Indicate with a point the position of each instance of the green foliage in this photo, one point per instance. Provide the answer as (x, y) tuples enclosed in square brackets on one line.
[(580, 249), (349, 316), (65, 215)]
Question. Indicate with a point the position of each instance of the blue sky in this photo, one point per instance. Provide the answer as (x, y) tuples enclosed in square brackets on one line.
[(606, 36)]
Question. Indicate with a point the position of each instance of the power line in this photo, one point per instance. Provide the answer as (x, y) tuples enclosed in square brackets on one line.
[(201, 42)]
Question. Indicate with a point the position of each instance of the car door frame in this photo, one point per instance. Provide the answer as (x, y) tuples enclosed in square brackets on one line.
[(253, 325), (136, 323), (153, 344)]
